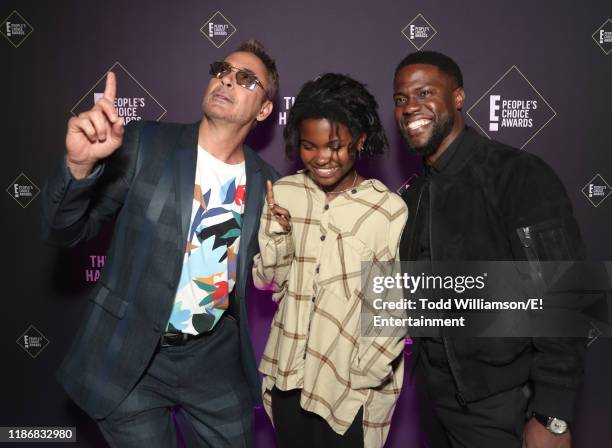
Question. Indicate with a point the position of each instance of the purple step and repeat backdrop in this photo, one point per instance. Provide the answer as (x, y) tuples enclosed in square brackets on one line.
[(538, 75)]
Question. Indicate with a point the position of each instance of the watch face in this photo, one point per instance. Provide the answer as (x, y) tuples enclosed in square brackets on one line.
[(557, 426)]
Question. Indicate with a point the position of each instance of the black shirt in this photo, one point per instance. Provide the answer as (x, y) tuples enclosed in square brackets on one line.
[(433, 345), (442, 164)]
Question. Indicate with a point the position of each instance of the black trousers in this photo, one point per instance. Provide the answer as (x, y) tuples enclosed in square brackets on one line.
[(494, 422), (195, 392), (297, 428)]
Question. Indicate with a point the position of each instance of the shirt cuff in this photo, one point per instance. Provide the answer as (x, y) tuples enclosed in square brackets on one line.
[(96, 172), (554, 401)]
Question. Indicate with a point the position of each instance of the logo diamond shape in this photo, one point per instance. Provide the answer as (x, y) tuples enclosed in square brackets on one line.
[(512, 110), (596, 190), (133, 102), (406, 184), (218, 29), (23, 190), (603, 36), (419, 31), (32, 341), (15, 28)]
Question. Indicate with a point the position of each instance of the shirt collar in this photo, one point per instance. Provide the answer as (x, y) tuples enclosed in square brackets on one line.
[(365, 185), (447, 159)]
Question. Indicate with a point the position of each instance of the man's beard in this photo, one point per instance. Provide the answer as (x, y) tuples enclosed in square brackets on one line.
[(440, 131)]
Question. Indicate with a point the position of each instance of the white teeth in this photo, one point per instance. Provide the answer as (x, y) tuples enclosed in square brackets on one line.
[(326, 171), (417, 124)]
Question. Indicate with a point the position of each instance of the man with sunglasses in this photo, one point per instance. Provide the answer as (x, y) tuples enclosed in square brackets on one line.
[(165, 334)]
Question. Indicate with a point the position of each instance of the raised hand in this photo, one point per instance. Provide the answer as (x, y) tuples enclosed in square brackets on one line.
[(95, 134), (281, 214)]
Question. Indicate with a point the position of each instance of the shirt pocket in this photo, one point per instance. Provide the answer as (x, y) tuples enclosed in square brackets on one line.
[(342, 267)]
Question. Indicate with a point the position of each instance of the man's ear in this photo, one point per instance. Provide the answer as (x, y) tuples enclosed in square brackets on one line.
[(459, 98), (265, 111)]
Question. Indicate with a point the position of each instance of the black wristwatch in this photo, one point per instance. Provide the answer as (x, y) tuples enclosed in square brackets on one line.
[(553, 424)]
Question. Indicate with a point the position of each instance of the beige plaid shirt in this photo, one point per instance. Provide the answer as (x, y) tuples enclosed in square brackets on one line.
[(314, 271)]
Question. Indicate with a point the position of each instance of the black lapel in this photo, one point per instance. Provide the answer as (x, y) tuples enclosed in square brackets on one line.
[(185, 159), (249, 223), (254, 195)]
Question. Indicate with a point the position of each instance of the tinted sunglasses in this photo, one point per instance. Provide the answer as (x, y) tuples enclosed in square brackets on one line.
[(244, 78)]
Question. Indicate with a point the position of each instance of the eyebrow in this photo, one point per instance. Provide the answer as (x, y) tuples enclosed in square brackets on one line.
[(305, 140), (332, 140), (244, 69), (421, 87), (248, 70)]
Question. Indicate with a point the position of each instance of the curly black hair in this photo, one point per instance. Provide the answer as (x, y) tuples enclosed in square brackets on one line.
[(340, 100)]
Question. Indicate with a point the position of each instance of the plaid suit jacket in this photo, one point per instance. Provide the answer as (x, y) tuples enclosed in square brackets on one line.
[(149, 182)]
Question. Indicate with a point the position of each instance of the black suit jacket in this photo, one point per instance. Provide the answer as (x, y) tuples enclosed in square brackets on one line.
[(149, 181)]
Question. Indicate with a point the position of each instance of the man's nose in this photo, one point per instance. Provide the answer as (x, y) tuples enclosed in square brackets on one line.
[(411, 106), (228, 79)]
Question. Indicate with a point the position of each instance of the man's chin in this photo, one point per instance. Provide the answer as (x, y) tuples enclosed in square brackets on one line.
[(216, 113), (422, 150)]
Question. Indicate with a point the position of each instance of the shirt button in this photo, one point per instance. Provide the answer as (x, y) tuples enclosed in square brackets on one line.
[(313, 299), (354, 191), (326, 207), (317, 269), (322, 237)]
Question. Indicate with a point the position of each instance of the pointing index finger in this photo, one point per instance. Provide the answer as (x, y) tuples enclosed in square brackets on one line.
[(110, 90), (269, 193)]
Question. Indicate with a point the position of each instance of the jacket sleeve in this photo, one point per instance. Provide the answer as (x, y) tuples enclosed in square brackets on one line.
[(272, 264), (537, 207), (73, 210), (377, 356)]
